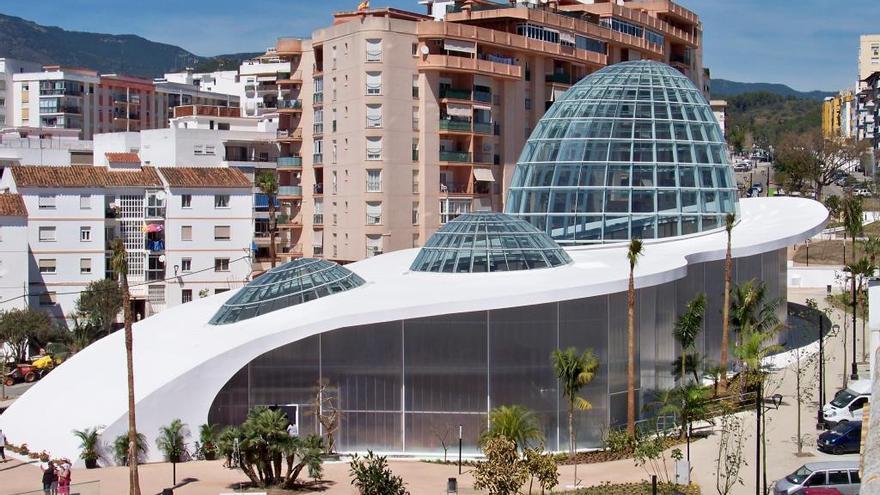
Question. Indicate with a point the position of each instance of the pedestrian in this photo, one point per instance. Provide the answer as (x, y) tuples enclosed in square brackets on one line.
[(50, 479), (2, 446), (64, 476)]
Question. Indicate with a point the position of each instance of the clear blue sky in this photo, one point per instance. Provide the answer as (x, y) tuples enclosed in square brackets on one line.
[(807, 44)]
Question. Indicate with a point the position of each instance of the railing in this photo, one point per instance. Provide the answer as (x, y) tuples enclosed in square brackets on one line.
[(455, 125), (318, 128), (288, 76), (289, 161), (483, 128), (59, 92), (289, 104), (483, 96), (455, 156), (486, 158), (488, 67), (558, 78), (206, 110), (155, 246), (458, 94), (318, 98), (318, 219), (453, 188), (290, 133), (290, 190), (155, 212), (317, 158)]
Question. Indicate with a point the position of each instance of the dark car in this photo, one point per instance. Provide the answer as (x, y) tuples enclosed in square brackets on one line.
[(843, 438)]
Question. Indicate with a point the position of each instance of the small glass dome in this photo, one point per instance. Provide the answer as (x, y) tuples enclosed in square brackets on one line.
[(292, 283), (488, 242), (631, 151)]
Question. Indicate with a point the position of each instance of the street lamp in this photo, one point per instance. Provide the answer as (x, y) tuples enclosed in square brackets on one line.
[(807, 245), (855, 368), (760, 408)]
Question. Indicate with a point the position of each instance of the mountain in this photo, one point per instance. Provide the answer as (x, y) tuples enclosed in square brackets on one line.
[(763, 117), (106, 53), (725, 88)]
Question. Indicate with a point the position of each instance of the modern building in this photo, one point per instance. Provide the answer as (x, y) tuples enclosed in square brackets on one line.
[(8, 68), (421, 340), (192, 224)]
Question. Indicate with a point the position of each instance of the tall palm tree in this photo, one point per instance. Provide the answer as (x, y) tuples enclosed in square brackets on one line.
[(871, 246), (267, 183), (574, 371), (632, 255), (515, 423), (729, 222), (119, 264), (688, 327), (687, 402), (852, 219)]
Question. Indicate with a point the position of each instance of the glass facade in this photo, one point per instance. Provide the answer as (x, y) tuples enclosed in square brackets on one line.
[(292, 283), (488, 242), (401, 384), (631, 151)]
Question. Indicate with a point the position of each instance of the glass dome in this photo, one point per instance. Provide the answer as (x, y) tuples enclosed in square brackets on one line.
[(292, 283), (488, 242), (631, 151)]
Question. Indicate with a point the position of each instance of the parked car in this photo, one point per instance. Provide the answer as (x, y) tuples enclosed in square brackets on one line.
[(848, 403), (840, 475), (861, 191), (821, 491), (844, 438), (742, 167)]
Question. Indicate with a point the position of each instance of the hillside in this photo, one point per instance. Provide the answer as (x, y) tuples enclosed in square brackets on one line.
[(764, 117), (105, 53), (726, 88)]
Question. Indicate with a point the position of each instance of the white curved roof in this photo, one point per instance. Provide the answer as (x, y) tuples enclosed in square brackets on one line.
[(181, 361)]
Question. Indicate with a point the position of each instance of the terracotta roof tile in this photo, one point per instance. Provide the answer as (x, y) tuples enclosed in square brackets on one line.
[(12, 205), (122, 157), (198, 177), (70, 177)]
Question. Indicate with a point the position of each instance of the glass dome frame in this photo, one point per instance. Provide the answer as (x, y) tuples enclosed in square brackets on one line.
[(488, 242), (632, 150), (295, 282)]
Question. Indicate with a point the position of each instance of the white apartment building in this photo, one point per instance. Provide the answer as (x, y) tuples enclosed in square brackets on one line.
[(14, 272), (34, 146), (75, 213), (56, 98), (8, 68), (221, 81)]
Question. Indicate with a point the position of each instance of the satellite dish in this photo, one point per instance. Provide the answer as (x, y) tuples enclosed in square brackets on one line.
[(160, 195), (162, 258), (424, 49)]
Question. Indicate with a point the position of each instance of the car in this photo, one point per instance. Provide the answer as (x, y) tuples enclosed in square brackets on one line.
[(840, 475), (848, 403), (821, 491), (741, 167), (861, 191), (844, 438)]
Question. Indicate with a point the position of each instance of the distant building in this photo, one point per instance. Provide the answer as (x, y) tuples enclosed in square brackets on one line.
[(14, 271), (869, 55), (47, 146), (868, 105), (719, 108), (9, 67)]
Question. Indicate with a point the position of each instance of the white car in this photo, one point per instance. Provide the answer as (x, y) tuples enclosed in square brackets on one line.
[(861, 191)]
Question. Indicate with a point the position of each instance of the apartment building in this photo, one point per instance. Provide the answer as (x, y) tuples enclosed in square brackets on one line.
[(14, 272), (869, 56), (719, 109), (867, 115), (220, 81), (35, 146), (8, 68), (75, 212), (838, 115), (392, 122)]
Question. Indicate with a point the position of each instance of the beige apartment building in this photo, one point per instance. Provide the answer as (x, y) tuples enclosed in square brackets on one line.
[(869, 56), (393, 122)]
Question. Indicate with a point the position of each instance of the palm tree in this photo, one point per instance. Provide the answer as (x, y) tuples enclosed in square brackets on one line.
[(515, 423), (688, 402), (88, 446), (871, 246), (120, 448), (119, 264), (172, 440), (852, 219), (729, 222), (267, 183), (574, 371), (688, 326), (694, 364), (632, 255)]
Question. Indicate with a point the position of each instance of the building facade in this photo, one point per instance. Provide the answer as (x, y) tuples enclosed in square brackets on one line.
[(14, 270), (869, 55), (8, 68)]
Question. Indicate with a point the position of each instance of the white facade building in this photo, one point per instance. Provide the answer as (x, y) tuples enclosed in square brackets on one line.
[(8, 68), (221, 81), (56, 98), (34, 146), (14, 273)]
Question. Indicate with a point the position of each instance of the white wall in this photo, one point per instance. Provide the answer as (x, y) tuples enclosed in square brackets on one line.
[(14, 274), (115, 142)]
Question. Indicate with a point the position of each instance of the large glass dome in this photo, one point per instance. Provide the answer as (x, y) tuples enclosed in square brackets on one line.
[(488, 242), (631, 151), (292, 283)]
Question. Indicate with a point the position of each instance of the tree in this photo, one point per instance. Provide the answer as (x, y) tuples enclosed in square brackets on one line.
[(805, 376), (514, 423), (119, 264), (503, 472), (441, 431), (172, 440), (633, 253), (120, 448), (749, 309), (542, 467), (688, 327), (651, 455), (871, 247), (208, 441), (808, 159), (688, 403), (371, 476), (832, 204), (693, 366), (729, 222), (20, 328), (729, 459), (267, 183), (327, 413), (852, 219), (100, 304), (574, 371)]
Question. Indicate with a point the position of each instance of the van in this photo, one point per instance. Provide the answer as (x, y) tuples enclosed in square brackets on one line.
[(848, 403), (840, 475)]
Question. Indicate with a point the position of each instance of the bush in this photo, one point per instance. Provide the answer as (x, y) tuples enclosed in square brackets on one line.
[(172, 440), (371, 476), (643, 488), (619, 441), (120, 448)]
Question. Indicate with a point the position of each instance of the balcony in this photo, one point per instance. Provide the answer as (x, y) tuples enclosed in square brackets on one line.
[(318, 128), (470, 65), (318, 219), (454, 188), (487, 158), (155, 246), (289, 162), (284, 78), (62, 109), (482, 96), (486, 128), (292, 105), (289, 135), (456, 94), (318, 188), (294, 191), (558, 78), (449, 125), (317, 158), (286, 46), (455, 156), (318, 98)]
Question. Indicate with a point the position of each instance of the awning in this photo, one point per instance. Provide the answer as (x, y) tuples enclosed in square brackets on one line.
[(460, 46), (262, 201), (566, 37), (318, 239), (557, 92), (266, 78), (459, 110), (484, 175), (487, 108)]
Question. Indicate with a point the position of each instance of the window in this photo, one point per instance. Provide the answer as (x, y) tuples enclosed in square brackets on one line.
[(48, 299), (222, 233), (374, 148), (415, 213), (415, 181), (47, 265), (220, 291), (47, 234), (186, 200), (528, 103), (318, 151), (334, 181), (186, 233), (415, 150), (415, 49), (374, 116), (838, 478), (415, 86), (415, 118), (221, 264), (450, 209), (374, 50), (334, 151), (186, 295), (85, 234), (85, 266), (374, 213), (221, 201), (374, 180), (374, 245), (85, 202), (46, 202), (186, 264), (374, 83)]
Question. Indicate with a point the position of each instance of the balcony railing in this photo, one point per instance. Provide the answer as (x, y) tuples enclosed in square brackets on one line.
[(289, 104), (289, 134), (458, 94), (318, 219), (318, 98), (317, 158), (318, 128), (483, 96), (558, 78), (455, 125), (289, 161), (487, 158), (483, 128), (455, 156), (290, 190)]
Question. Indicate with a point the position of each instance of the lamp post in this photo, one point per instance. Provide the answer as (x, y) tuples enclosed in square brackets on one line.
[(459, 449), (855, 368), (807, 245), (760, 408)]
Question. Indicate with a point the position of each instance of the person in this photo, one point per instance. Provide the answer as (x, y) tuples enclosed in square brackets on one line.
[(2, 446), (50, 479), (64, 476)]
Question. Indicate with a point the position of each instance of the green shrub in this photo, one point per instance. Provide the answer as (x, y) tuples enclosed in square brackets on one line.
[(619, 441)]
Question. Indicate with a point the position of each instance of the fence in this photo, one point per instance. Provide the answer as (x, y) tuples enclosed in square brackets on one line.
[(87, 488)]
